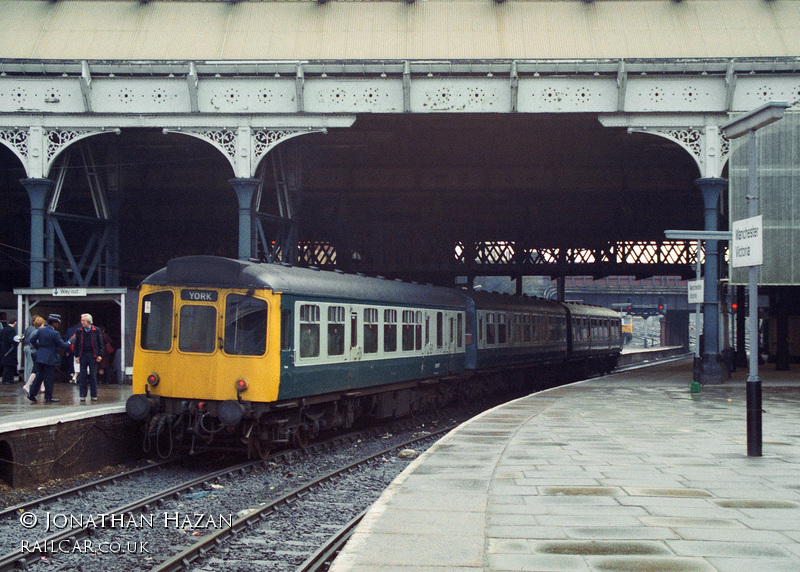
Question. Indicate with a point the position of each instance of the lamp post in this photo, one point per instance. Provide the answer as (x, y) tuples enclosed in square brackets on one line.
[(748, 124)]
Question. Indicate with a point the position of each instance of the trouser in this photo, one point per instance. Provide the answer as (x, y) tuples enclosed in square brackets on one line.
[(45, 374), (87, 376), (9, 371), (29, 361)]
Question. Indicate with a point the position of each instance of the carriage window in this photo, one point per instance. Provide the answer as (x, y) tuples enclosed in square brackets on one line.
[(156, 321), (370, 330), (527, 326), (336, 330), (490, 329), (309, 330), (418, 331), (390, 330), (427, 330), (245, 325), (439, 330), (408, 330), (460, 331), (501, 329), (198, 329)]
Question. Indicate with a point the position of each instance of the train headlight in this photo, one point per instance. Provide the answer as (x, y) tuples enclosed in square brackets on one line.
[(153, 379), (241, 385)]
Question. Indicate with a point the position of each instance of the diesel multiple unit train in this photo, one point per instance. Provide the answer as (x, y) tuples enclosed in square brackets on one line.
[(271, 354)]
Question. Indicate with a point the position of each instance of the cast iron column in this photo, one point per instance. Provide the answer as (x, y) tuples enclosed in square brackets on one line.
[(38, 192), (712, 372), (245, 189)]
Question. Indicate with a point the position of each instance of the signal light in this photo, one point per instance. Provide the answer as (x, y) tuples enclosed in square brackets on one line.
[(241, 385), (153, 379), (734, 306)]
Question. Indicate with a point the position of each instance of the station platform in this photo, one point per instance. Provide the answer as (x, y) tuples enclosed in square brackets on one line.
[(626, 472), (16, 412), (40, 441)]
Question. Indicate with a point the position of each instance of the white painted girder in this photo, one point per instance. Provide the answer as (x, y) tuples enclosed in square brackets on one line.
[(122, 89), (680, 100)]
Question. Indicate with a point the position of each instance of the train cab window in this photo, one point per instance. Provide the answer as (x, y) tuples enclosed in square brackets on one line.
[(370, 330), (309, 331), (245, 325), (156, 328), (390, 330), (336, 330), (198, 329)]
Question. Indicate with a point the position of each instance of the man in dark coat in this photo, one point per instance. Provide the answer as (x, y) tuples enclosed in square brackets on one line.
[(88, 347), (8, 351), (48, 345)]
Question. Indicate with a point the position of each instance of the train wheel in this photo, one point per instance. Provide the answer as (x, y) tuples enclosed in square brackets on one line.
[(301, 437), (257, 446)]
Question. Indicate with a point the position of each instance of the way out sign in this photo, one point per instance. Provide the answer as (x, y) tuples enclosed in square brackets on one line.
[(747, 244)]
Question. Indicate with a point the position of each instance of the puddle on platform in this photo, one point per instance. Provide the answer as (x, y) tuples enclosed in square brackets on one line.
[(755, 503), (651, 565), (581, 491), (592, 548)]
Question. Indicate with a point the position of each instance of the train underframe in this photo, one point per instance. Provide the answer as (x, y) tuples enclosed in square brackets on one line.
[(173, 424)]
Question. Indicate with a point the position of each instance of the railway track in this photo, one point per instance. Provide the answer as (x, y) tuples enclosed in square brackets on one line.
[(272, 528), (77, 527)]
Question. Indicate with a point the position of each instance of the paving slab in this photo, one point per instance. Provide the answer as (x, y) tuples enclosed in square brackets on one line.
[(626, 472)]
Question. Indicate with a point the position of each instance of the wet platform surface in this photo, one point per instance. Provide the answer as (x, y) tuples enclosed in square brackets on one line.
[(16, 412), (627, 472)]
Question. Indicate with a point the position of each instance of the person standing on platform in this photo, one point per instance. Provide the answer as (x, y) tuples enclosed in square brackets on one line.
[(8, 351), (48, 345), (29, 352), (88, 348)]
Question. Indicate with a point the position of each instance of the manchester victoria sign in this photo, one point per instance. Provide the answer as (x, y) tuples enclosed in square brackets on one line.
[(747, 247)]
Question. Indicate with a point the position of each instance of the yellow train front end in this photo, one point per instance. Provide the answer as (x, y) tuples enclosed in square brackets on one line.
[(205, 358)]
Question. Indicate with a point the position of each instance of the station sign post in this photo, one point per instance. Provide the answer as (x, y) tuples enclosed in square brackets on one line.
[(747, 249)]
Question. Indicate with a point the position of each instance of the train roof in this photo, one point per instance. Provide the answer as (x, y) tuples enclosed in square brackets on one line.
[(497, 301), (217, 272), (577, 309)]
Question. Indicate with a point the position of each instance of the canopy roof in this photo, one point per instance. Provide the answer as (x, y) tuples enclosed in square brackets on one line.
[(432, 29)]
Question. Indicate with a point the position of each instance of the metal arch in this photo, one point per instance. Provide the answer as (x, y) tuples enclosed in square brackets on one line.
[(265, 140), (690, 139), (222, 139), (57, 140), (17, 141)]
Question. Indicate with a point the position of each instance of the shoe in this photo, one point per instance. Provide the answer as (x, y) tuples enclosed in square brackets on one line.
[(52, 400), (94, 399), (31, 398)]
